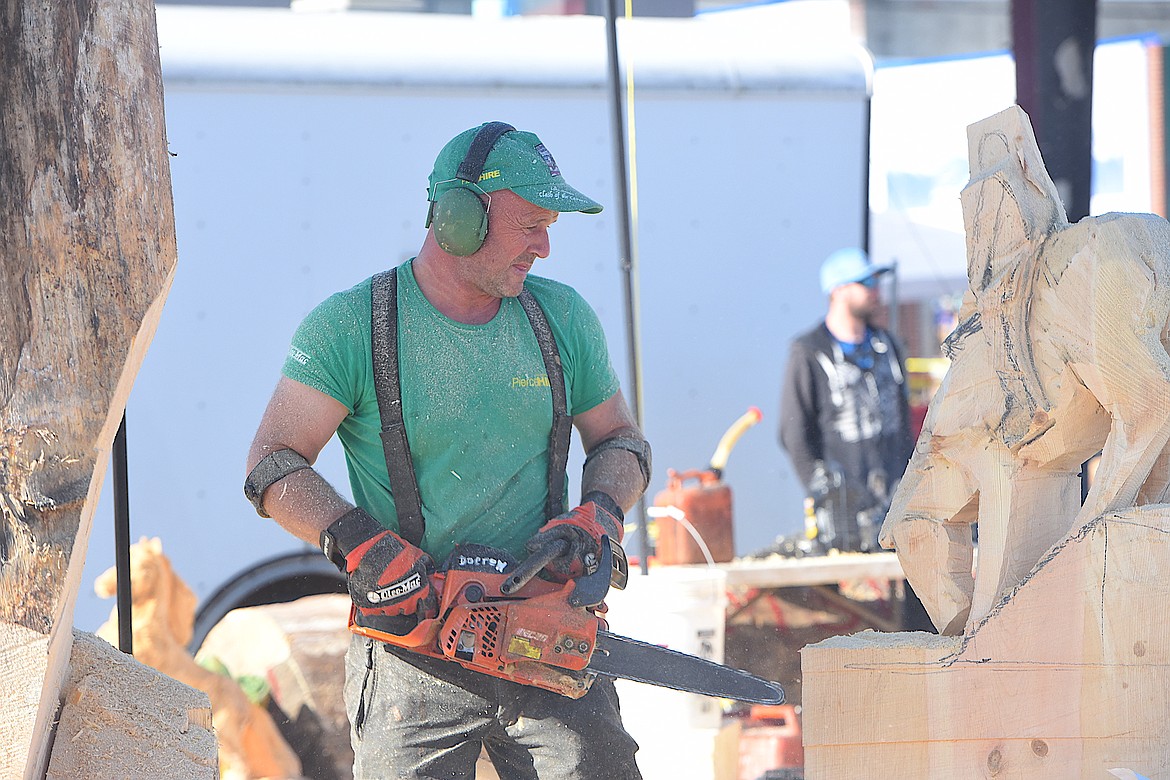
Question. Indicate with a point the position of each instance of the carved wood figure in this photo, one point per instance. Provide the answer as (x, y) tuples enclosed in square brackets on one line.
[(163, 621), (87, 254), (1060, 353), (1053, 660)]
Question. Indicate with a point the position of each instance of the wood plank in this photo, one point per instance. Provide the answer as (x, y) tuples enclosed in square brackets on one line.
[(87, 254)]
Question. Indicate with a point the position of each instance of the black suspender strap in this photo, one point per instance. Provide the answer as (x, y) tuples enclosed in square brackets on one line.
[(387, 388), (562, 425)]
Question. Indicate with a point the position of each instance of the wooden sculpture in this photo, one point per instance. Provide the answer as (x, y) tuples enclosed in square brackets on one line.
[(1053, 657), (163, 620), (1060, 353)]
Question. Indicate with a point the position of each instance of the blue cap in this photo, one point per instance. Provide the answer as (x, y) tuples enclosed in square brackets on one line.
[(846, 266)]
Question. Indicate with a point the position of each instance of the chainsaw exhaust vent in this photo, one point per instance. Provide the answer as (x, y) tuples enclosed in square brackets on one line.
[(482, 622)]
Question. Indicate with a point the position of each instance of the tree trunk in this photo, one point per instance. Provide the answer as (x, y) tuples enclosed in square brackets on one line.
[(88, 253)]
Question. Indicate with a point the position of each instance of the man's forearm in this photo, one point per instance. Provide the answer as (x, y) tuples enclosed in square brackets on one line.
[(616, 472), (304, 504)]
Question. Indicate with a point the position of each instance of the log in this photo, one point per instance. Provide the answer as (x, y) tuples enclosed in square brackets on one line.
[(87, 254)]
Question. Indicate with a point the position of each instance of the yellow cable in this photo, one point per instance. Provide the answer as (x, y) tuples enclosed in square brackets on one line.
[(630, 132), (633, 165)]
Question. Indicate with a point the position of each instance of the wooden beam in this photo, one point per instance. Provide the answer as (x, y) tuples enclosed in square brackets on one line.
[(87, 254), (1065, 678)]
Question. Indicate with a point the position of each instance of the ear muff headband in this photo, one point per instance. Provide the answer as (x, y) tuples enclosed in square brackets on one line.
[(481, 146), (458, 216)]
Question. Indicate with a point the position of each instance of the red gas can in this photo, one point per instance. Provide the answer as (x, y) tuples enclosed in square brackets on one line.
[(771, 742), (694, 520), (701, 500)]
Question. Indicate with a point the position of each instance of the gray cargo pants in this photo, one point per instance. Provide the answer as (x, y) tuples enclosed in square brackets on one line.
[(417, 717)]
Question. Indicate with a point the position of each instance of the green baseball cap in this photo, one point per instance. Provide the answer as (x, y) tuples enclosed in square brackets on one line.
[(519, 162)]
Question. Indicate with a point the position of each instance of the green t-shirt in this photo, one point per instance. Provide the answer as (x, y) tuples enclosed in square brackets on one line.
[(475, 399)]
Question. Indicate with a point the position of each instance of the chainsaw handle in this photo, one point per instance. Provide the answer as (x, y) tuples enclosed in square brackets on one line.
[(589, 590), (532, 566)]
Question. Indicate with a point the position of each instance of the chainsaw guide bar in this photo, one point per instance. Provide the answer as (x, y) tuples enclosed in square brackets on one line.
[(631, 659)]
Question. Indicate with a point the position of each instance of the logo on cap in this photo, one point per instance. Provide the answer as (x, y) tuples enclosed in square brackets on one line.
[(548, 160)]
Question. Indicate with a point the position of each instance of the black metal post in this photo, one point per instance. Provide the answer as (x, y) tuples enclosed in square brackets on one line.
[(1053, 43), (627, 247), (122, 539)]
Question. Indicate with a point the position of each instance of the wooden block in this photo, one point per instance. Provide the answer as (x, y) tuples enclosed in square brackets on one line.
[(1064, 678), (122, 719), (163, 619), (726, 758), (87, 254), (26, 655)]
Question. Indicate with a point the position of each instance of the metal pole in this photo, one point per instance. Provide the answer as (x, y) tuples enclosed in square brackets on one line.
[(122, 539), (866, 221), (627, 247), (1053, 42), (895, 300)]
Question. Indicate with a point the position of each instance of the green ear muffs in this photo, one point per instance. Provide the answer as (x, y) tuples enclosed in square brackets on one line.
[(460, 221), (458, 216)]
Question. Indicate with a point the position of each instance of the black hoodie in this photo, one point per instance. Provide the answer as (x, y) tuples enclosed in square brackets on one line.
[(847, 411)]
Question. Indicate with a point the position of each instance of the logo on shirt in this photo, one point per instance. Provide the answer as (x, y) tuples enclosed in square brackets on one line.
[(530, 381), (298, 355)]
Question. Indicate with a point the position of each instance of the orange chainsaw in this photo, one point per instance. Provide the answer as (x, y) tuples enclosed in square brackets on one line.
[(497, 618)]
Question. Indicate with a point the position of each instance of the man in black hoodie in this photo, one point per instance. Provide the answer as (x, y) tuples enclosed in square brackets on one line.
[(844, 412)]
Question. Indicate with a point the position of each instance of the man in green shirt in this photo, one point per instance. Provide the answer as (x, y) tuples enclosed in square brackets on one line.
[(479, 460)]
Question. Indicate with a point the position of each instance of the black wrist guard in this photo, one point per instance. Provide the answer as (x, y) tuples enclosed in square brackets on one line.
[(347, 532), (606, 502)]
